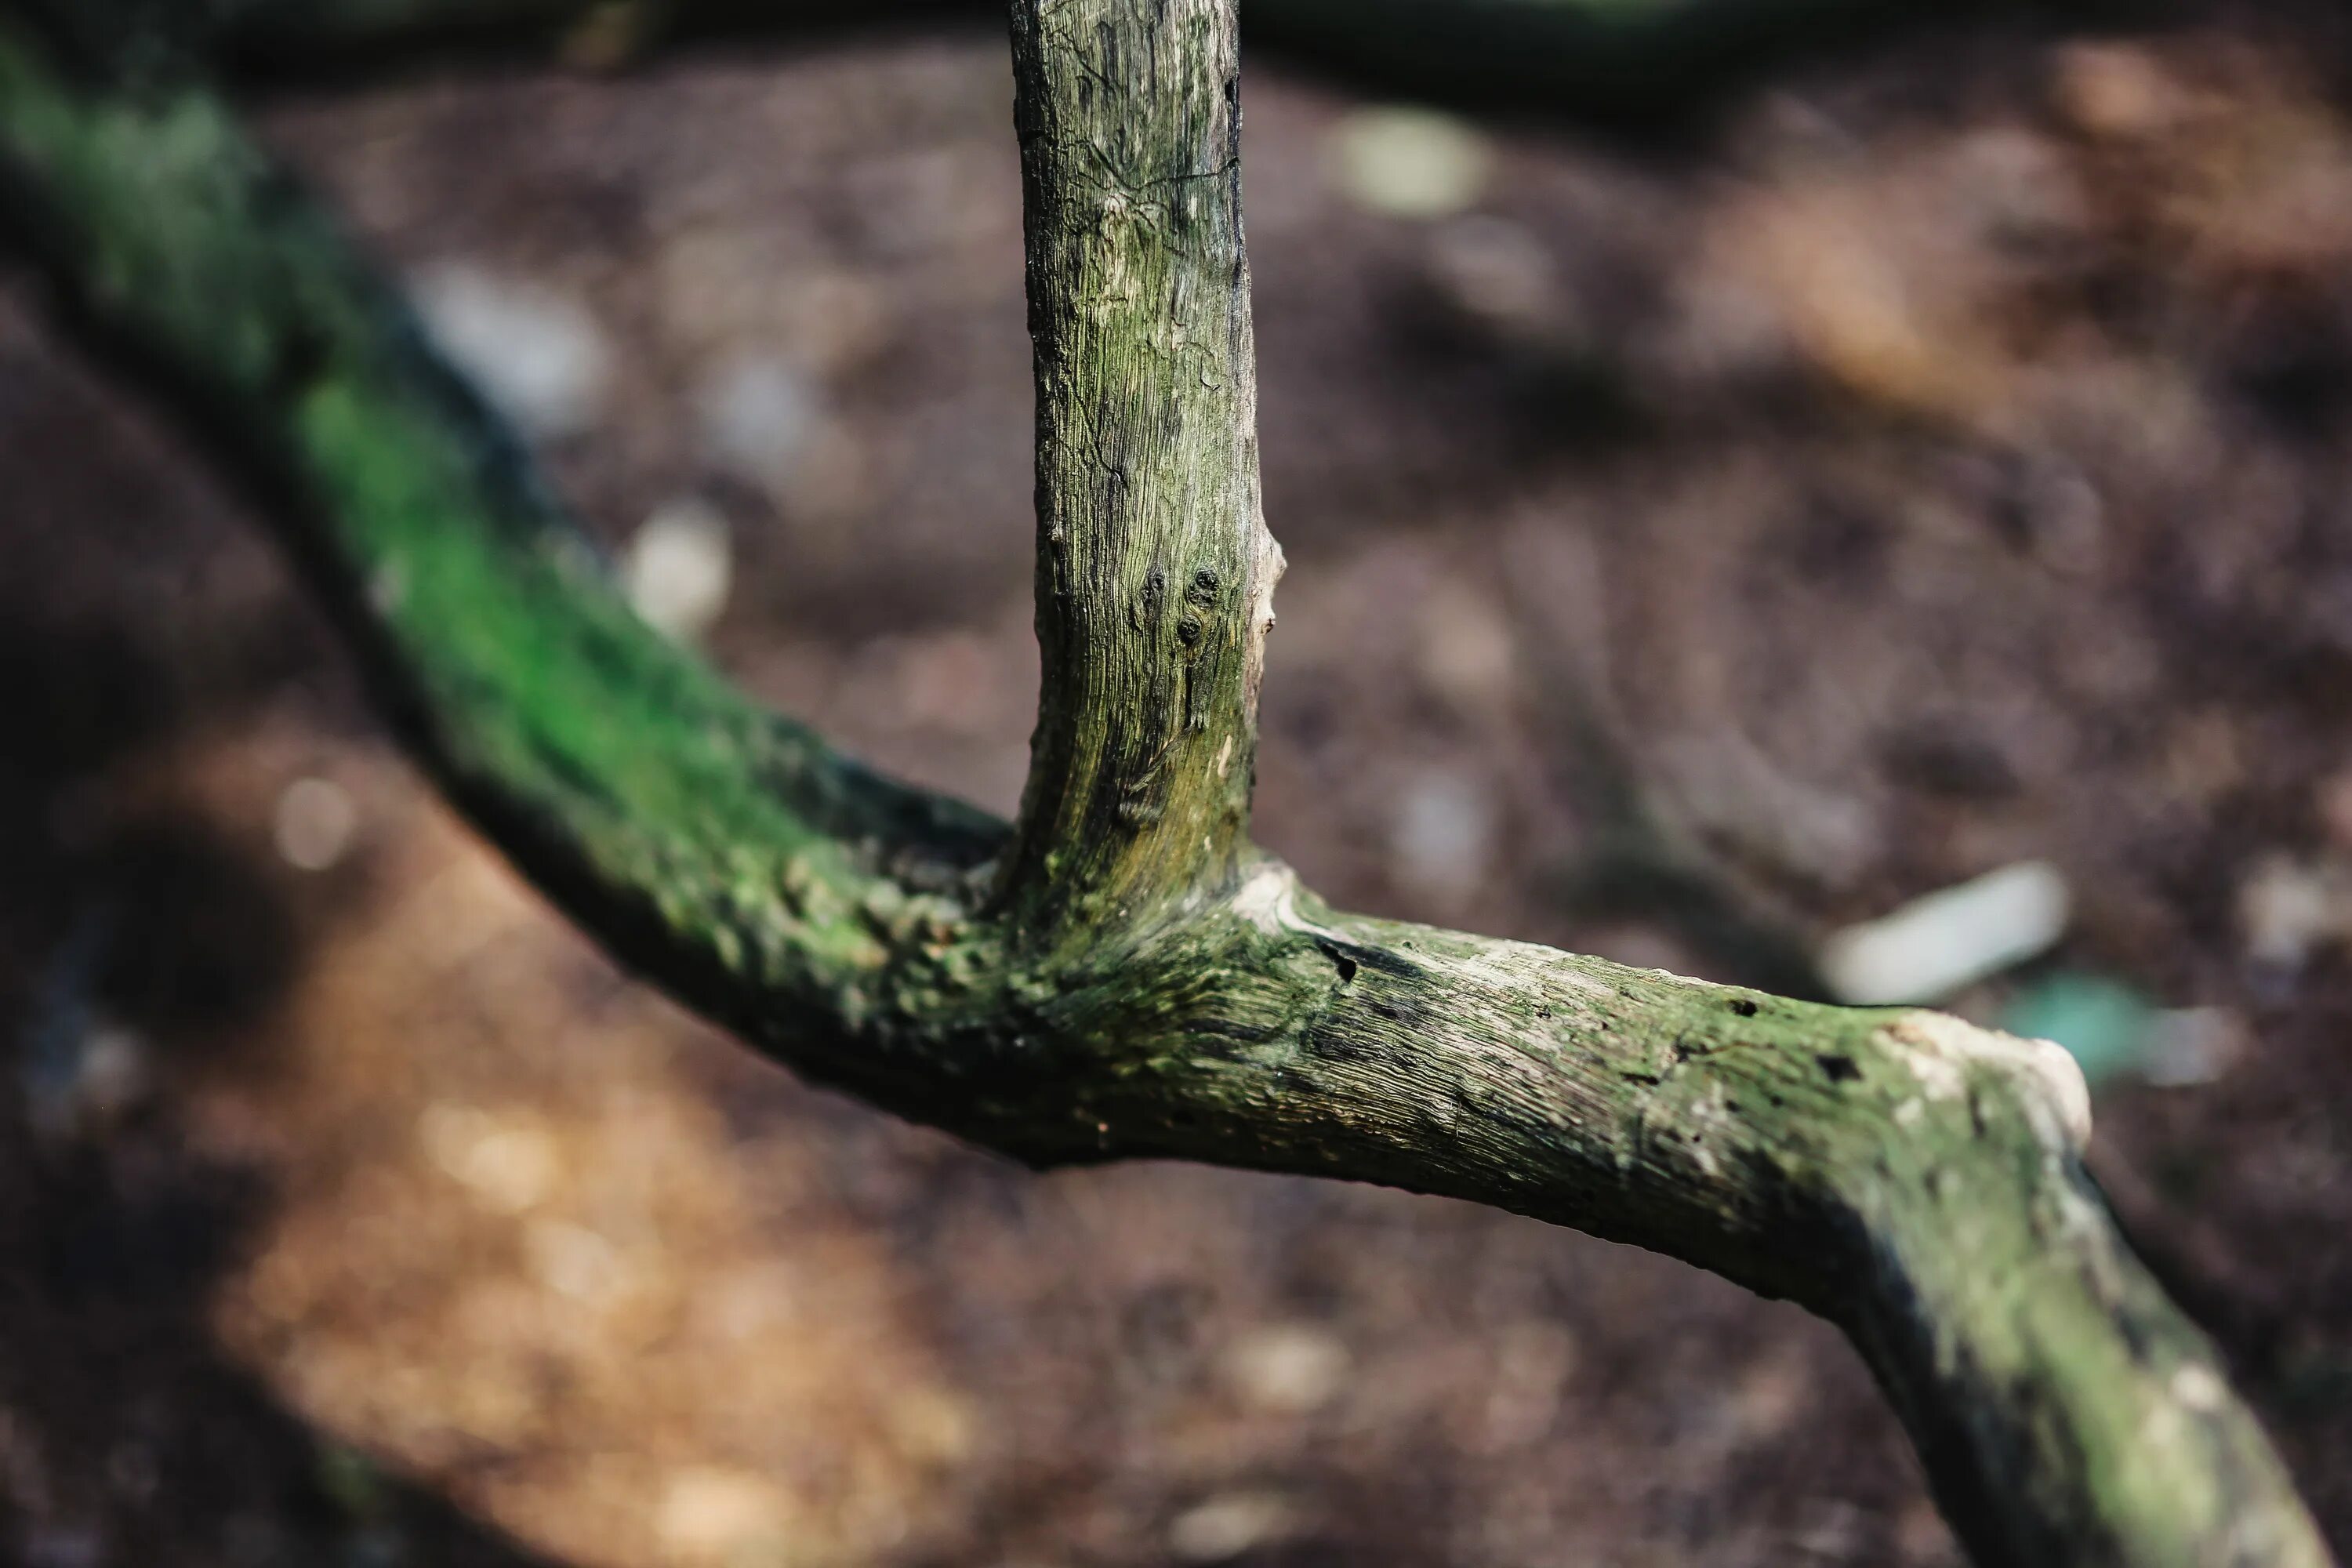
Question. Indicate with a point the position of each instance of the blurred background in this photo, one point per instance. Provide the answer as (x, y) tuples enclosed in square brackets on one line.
[(1918, 473)]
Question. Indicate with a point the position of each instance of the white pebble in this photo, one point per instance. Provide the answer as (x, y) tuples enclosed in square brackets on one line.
[(1932, 946), (1408, 163), (2287, 907), (759, 418), (1442, 835), (1493, 270), (537, 356), (678, 568), (315, 823), (2189, 1046), (1287, 1369), (1224, 1527)]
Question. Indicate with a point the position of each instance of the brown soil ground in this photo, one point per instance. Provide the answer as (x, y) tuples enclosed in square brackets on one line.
[(1942, 458)]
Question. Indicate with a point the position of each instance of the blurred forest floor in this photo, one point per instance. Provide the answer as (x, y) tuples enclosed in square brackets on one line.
[(1941, 457)]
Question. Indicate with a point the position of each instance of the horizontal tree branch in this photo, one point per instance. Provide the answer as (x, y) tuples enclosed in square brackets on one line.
[(1914, 1179)]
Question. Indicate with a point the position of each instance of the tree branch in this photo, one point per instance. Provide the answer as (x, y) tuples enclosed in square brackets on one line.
[(727, 849), (1155, 572), (1910, 1177)]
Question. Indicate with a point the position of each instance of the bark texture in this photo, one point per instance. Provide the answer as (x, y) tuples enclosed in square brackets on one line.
[(1155, 573), (1124, 974)]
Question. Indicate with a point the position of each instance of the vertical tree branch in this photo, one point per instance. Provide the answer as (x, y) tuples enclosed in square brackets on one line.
[(1155, 572)]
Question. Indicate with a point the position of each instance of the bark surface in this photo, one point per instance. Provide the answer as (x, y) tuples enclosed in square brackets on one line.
[(1122, 973), (1155, 572)]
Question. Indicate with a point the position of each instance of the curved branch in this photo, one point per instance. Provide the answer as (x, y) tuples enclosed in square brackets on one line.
[(1908, 1176), (727, 849)]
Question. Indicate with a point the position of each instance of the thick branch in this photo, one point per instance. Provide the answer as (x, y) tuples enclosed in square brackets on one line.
[(1155, 573), (1910, 1177)]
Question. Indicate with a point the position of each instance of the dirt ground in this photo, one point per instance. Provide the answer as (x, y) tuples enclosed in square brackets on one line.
[(1936, 459)]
